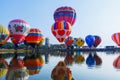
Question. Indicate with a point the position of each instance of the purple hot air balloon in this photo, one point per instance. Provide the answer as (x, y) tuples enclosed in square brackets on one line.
[(97, 41)]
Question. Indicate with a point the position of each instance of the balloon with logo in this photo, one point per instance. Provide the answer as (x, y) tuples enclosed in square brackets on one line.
[(18, 30), (79, 42), (97, 40), (61, 30), (90, 40), (116, 38), (65, 13), (34, 37), (69, 41), (4, 35)]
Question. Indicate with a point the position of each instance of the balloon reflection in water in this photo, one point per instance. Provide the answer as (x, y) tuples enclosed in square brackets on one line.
[(93, 60), (3, 67), (79, 58), (34, 63), (17, 70), (61, 72), (116, 63), (69, 59)]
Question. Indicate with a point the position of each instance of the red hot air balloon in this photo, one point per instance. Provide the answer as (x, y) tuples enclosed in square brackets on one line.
[(97, 41), (116, 38), (69, 41), (61, 30), (65, 13)]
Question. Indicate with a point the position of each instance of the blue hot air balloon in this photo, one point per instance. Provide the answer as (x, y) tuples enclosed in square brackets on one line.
[(90, 60), (90, 40)]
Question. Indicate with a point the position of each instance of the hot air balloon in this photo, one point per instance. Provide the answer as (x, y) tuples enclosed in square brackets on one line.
[(116, 38), (61, 72), (79, 42), (17, 70), (18, 30), (90, 40), (116, 63), (61, 30), (34, 64), (97, 40), (69, 41), (4, 35), (65, 13), (34, 37)]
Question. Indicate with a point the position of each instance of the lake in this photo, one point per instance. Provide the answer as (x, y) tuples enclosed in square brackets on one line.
[(80, 70)]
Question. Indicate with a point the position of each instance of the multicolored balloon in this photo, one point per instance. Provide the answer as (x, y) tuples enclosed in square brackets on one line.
[(97, 41), (69, 41), (90, 40), (61, 30), (18, 30), (65, 13), (34, 37), (116, 38), (4, 35)]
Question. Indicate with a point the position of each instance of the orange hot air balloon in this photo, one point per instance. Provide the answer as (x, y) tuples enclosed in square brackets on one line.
[(61, 30), (34, 37), (116, 38)]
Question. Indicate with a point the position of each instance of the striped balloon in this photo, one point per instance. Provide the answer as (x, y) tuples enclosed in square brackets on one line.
[(34, 36), (61, 30), (116, 38), (116, 63), (65, 13)]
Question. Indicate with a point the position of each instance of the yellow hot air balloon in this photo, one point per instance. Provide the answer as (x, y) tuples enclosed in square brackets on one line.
[(4, 35)]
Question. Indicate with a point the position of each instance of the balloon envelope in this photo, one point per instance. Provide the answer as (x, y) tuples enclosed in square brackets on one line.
[(65, 13), (61, 30), (90, 40), (69, 41), (18, 30), (97, 41), (79, 42), (116, 38), (4, 35), (34, 37)]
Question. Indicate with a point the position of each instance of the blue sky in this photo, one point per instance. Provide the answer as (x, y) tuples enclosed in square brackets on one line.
[(94, 17)]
